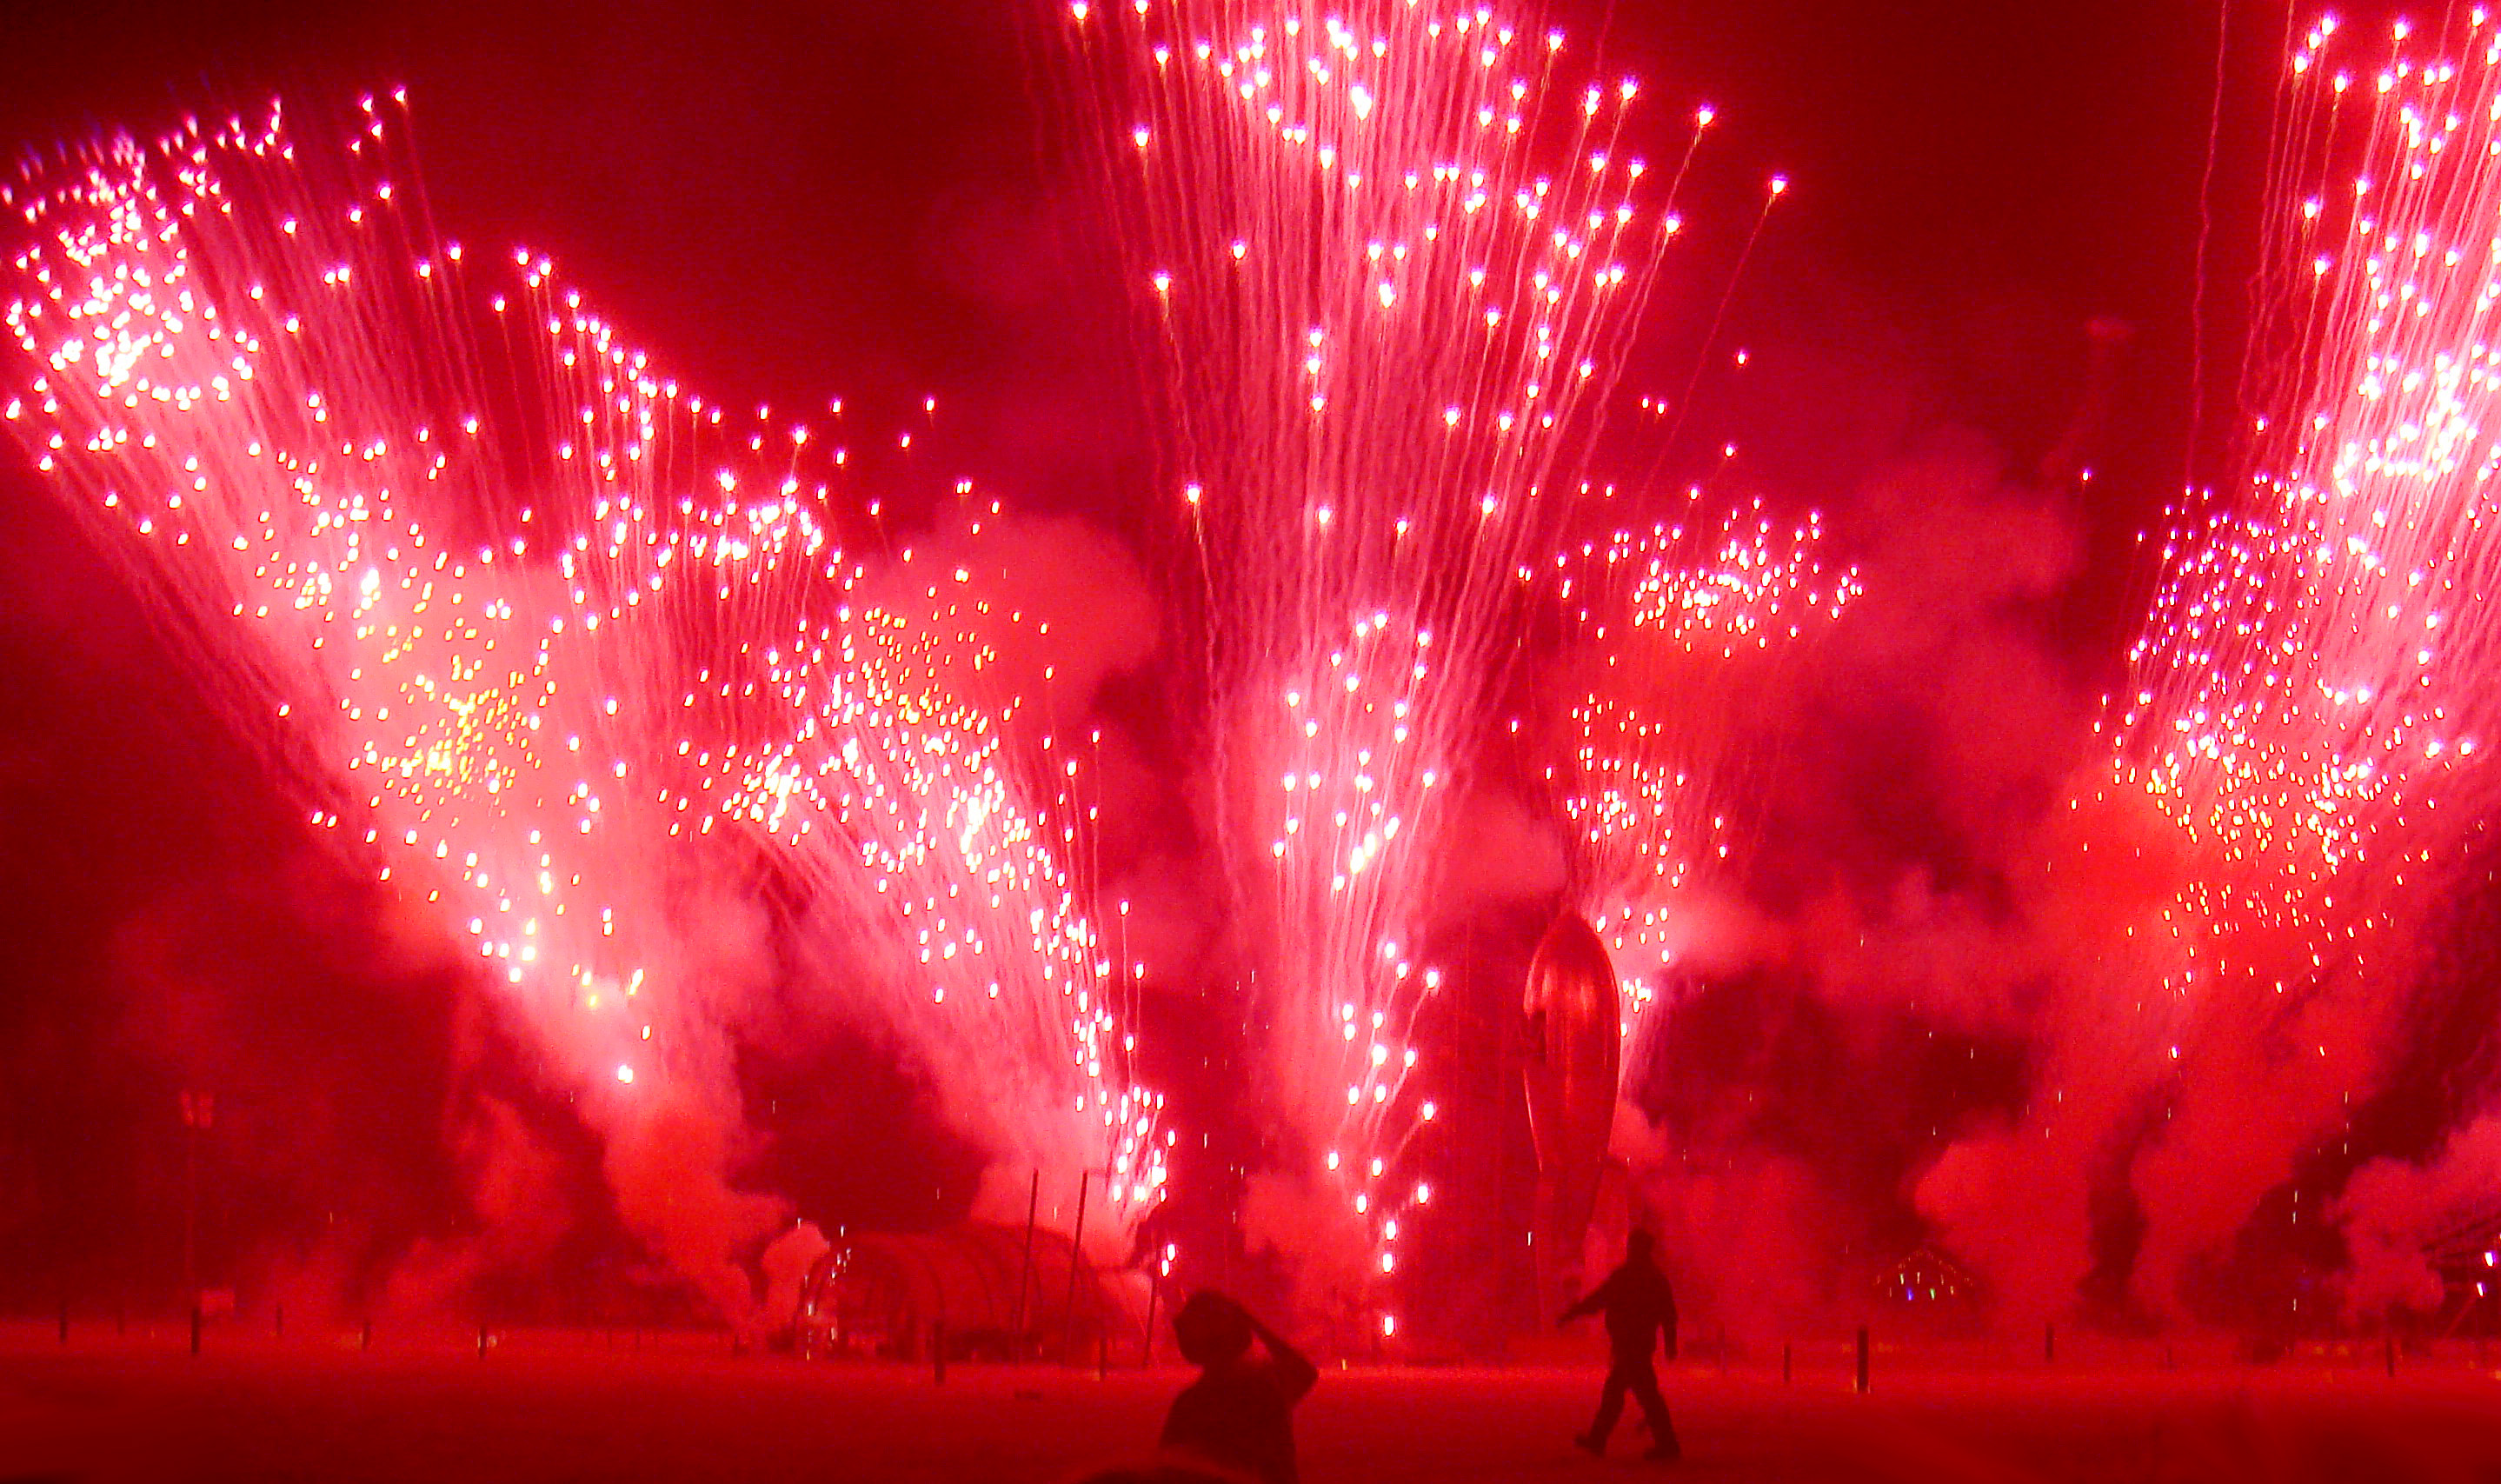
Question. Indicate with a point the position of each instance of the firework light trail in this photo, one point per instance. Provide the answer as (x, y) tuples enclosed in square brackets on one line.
[(562, 651), (1394, 259), (2311, 696)]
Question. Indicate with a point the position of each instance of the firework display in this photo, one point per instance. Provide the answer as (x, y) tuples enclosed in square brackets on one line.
[(2309, 702), (561, 650), (1494, 816), (1393, 258)]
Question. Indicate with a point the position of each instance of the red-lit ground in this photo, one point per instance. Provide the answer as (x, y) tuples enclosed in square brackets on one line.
[(313, 1408)]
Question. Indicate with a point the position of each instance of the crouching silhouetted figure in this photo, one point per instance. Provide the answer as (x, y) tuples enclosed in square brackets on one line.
[(1640, 1309), (1236, 1420)]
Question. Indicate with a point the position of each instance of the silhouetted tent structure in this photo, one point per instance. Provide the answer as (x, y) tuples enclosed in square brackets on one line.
[(1931, 1289), (2468, 1259), (885, 1294)]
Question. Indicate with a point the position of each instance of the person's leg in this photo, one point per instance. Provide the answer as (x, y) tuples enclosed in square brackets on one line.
[(1643, 1385), (1611, 1406)]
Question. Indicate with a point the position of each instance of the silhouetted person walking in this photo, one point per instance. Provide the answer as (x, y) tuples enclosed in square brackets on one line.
[(1236, 1417), (1640, 1309)]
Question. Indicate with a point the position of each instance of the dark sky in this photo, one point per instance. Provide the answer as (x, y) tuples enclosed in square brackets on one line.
[(789, 204)]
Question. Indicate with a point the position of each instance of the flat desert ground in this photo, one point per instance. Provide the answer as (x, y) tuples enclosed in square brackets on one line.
[(138, 1407)]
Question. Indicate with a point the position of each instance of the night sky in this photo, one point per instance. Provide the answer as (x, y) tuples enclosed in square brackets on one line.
[(870, 201)]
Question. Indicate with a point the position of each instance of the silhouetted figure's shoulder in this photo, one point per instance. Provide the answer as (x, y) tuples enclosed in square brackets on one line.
[(1636, 1300), (1240, 1417), (1642, 1288), (1237, 1419)]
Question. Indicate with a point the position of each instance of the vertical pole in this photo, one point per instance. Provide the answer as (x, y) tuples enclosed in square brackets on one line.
[(1075, 1251), (1862, 1359), (481, 1339), (365, 1338), (1784, 1362), (1024, 1272), (190, 1211), (938, 1352)]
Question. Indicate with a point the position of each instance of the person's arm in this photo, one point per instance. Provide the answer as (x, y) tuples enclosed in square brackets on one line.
[(1295, 1374), (1592, 1302)]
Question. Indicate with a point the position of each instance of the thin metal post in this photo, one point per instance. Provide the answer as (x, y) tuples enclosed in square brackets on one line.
[(191, 1209), (1862, 1359), (1024, 1271), (1075, 1251)]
